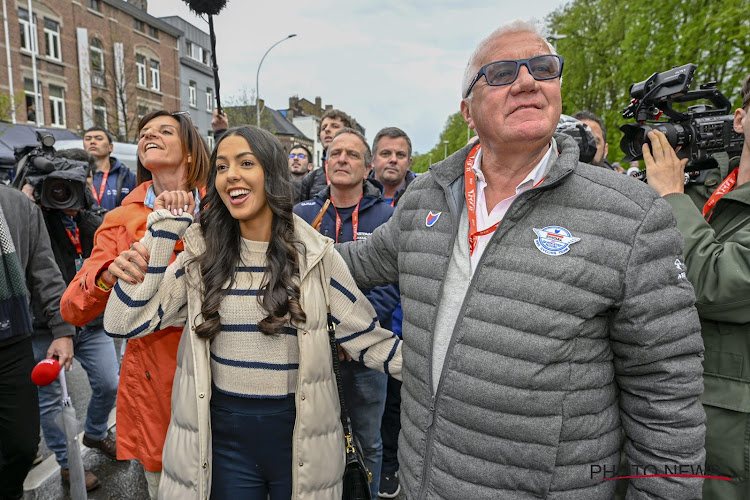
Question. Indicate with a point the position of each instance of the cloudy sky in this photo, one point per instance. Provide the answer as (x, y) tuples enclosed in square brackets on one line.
[(385, 63)]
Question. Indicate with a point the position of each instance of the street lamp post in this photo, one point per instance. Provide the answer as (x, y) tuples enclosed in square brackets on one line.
[(445, 150), (257, 75)]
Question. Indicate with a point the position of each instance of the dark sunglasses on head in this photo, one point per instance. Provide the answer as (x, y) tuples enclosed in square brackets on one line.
[(544, 67), (301, 156)]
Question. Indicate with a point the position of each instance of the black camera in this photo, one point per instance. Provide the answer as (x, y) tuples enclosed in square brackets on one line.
[(700, 132), (581, 133), (59, 183)]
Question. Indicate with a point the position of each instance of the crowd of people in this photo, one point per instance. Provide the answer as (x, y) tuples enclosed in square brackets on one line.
[(513, 323)]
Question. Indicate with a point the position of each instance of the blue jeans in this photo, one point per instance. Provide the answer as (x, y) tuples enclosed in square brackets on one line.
[(96, 353), (364, 394), (251, 442)]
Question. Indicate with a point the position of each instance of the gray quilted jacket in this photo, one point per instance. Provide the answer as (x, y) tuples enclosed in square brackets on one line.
[(554, 358)]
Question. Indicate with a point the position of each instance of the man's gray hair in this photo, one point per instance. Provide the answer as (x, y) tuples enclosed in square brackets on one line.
[(516, 26)]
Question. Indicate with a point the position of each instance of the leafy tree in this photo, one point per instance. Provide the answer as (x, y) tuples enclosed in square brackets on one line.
[(6, 107), (610, 45), (456, 132)]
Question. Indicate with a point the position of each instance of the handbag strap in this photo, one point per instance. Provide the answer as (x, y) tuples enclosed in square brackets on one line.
[(345, 420)]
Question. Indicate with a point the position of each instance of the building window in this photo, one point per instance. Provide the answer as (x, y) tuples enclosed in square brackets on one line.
[(52, 39), (155, 80), (139, 25), (209, 99), (31, 111), (192, 94), (97, 63), (153, 32), (210, 140), (95, 5), (196, 52), (142, 111), (140, 65), (57, 105), (100, 113), (28, 31)]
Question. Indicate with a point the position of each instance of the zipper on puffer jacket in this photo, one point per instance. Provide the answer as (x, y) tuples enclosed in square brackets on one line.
[(433, 398), (426, 469)]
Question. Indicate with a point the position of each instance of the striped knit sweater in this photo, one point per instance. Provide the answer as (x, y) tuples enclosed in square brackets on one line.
[(244, 361)]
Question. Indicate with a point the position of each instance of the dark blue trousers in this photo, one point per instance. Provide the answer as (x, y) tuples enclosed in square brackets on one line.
[(252, 447)]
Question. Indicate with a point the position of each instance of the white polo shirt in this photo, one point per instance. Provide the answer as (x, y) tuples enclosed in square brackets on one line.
[(484, 219)]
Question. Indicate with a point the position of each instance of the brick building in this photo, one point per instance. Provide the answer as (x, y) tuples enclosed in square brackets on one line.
[(104, 62)]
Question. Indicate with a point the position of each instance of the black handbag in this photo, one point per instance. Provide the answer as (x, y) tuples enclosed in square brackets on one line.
[(357, 478)]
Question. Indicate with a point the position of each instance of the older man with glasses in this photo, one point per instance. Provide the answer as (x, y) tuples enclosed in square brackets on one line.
[(547, 317)]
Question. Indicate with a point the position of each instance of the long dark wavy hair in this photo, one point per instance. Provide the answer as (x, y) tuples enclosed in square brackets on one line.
[(221, 232)]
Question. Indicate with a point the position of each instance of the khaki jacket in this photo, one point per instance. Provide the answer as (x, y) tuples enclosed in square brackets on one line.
[(317, 450)]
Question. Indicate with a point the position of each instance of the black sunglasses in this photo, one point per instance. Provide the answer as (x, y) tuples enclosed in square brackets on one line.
[(497, 73)]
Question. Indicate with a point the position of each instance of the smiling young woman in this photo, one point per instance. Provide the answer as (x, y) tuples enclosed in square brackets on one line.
[(251, 290)]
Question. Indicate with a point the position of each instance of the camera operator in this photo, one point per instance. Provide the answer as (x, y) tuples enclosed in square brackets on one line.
[(71, 232), (714, 219)]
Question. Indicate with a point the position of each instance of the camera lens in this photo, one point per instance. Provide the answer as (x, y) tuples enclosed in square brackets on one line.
[(59, 194), (677, 135), (639, 139)]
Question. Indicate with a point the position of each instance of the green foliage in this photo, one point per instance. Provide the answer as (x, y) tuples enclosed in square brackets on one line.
[(610, 44), (6, 108), (455, 132)]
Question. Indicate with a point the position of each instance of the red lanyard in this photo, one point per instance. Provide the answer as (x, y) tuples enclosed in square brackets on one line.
[(101, 188), (75, 239), (470, 187), (726, 186), (355, 220)]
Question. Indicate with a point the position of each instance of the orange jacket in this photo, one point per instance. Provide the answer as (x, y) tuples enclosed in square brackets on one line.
[(147, 371)]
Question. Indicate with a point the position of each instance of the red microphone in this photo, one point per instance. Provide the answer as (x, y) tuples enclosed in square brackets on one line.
[(45, 372)]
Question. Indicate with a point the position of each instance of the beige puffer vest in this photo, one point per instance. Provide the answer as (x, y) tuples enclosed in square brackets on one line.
[(317, 450)]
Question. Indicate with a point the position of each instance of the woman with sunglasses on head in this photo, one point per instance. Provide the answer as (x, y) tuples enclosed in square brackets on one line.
[(171, 157), (255, 409)]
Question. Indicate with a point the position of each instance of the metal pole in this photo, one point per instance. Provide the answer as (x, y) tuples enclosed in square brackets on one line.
[(445, 150), (34, 46), (257, 75), (10, 66)]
